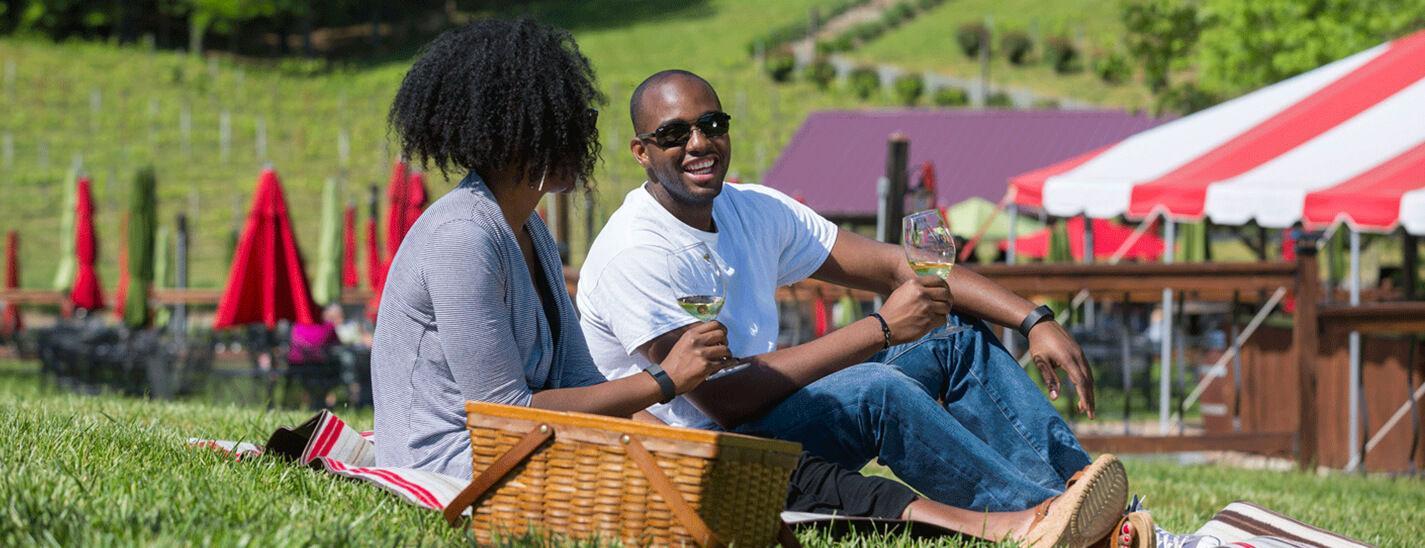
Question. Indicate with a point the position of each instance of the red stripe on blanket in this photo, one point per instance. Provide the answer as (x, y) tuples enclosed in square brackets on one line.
[(327, 439), (424, 496)]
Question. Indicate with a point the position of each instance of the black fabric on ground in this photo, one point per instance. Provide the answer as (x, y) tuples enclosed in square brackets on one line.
[(822, 487)]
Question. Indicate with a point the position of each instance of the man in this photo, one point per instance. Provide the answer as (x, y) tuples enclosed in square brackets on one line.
[(956, 418)]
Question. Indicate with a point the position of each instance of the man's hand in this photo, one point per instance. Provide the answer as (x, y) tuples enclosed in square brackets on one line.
[(916, 307), (1052, 348), (699, 352)]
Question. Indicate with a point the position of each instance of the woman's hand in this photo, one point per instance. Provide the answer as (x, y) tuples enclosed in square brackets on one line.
[(699, 352), (916, 307)]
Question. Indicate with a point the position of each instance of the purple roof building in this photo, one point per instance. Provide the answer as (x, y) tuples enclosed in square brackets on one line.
[(833, 162)]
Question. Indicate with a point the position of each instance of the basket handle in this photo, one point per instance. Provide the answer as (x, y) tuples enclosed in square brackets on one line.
[(685, 514), (502, 466)]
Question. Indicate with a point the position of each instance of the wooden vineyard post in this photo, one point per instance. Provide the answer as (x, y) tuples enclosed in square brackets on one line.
[(1304, 338)]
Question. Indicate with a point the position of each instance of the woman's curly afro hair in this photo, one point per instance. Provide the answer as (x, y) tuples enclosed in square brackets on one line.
[(496, 94)]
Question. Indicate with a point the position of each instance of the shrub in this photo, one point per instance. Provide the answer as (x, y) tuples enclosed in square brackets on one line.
[(865, 32), (1062, 54), (778, 37), (864, 81), (821, 73), (1113, 68), (950, 97), (834, 45), (1016, 45), (971, 37), (909, 88), (897, 14), (925, 5), (780, 66), (998, 99), (1046, 104)]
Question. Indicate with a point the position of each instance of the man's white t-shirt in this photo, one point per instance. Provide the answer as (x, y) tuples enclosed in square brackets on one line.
[(763, 240)]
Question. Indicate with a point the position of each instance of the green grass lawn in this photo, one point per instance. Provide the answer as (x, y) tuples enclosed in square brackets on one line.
[(106, 470)]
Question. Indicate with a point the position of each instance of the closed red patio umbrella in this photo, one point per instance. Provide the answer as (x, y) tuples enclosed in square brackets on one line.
[(374, 265), (349, 278), (86, 292), (267, 281), (396, 191), (10, 322), (415, 199)]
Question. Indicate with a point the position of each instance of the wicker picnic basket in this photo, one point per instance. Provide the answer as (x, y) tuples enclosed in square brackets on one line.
[(581, 476)]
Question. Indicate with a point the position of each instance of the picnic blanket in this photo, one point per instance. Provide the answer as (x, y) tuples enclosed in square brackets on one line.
[(326, 442)]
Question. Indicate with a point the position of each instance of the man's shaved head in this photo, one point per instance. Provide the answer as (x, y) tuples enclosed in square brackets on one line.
[(635, 103)]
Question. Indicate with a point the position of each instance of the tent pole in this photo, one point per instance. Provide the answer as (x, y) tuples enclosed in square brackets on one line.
[(1089, 249), (1354, 398), (1124, 320), (1007, 335), (1165, 330)]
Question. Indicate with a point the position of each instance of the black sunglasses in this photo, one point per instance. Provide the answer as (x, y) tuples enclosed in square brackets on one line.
[(677, 132), (591, 116)]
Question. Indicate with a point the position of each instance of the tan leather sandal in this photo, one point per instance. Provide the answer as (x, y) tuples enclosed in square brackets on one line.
[(1086, 512), (1143, 531)]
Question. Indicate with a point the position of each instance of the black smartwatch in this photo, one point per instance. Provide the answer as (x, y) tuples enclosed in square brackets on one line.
[(1035, 316), (665, 383)]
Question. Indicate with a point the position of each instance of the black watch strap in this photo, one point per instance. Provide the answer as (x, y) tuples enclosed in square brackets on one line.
[(665, 383), (1035, 316)]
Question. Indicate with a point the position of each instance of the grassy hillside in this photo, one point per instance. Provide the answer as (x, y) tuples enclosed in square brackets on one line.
[(306, 107), (928, 43)]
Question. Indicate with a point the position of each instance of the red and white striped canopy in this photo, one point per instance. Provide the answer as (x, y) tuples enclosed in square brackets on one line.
[(1343, 142)]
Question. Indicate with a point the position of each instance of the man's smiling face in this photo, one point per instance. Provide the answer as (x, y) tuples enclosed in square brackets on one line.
[(693, 172)]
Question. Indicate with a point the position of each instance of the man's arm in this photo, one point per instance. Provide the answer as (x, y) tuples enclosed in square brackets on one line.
[(914, 309), (863, 263)]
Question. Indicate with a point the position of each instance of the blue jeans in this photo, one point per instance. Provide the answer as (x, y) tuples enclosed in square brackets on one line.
[(957, 419)]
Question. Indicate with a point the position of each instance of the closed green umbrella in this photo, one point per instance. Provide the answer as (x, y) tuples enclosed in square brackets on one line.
[(1059, 252), (1192, 242), (143, 221), (64, 275), (162, 273), (326, 289)]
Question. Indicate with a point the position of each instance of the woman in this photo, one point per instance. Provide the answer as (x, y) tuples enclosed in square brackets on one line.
[(474, 305)]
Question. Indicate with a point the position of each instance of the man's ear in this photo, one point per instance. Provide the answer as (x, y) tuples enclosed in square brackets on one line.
[(640, 152)]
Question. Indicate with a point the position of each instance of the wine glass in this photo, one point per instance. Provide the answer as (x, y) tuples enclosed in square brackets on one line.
[(699, 286), (930, 248)]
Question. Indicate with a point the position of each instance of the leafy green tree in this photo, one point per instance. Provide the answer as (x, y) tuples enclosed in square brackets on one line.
[(1246, 45), (1160, 35)]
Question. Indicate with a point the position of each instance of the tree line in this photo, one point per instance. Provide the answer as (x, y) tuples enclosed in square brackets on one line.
[(1195, 53), (241, 26)]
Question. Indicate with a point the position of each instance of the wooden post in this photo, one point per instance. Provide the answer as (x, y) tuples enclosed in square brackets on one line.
[(1411, 261), (897, 158), (1304, 338)]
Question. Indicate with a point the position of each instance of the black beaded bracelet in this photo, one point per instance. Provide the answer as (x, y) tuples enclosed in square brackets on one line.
[(1035, 316), (665, 383), (885, 329)]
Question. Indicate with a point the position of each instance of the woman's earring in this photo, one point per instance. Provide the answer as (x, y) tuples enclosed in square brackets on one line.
[(541, 180)]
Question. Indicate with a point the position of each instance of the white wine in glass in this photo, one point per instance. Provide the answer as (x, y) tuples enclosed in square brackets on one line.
[(699, 286), (702, 307), (930, 249)]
